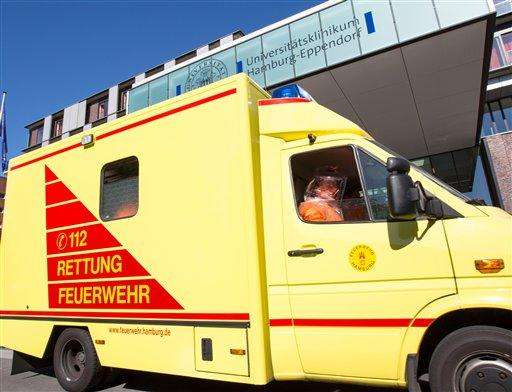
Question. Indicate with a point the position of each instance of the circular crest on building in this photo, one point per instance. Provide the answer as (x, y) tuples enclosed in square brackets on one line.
[(205, 72)]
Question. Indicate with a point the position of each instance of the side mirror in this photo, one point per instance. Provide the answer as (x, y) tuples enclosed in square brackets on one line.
[(399, 185)]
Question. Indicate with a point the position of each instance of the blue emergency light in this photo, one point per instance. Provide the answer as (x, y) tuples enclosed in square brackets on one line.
[(291, 91)]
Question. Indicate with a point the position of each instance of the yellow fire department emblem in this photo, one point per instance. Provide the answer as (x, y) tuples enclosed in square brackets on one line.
[(362, 257)]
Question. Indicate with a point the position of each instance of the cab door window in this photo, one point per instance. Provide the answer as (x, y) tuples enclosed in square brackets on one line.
[(374, 176), (327, 186)]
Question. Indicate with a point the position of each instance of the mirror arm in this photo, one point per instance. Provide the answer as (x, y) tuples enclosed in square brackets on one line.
[(427, 204)]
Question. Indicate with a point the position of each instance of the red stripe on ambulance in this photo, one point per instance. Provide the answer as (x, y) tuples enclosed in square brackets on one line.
[(388, 322), (98, 265), (130, 126), (42, 314)]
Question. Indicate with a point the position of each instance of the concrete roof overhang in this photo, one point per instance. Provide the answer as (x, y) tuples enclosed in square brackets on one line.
[(420, 98)]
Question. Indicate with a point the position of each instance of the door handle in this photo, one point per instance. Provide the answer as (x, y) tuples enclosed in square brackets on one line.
[(305, 252)]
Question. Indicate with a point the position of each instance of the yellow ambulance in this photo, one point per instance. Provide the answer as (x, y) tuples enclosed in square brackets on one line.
[(228, 235)]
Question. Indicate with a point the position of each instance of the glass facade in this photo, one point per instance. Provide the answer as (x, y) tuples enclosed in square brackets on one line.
[(344, 31), (455, 167)]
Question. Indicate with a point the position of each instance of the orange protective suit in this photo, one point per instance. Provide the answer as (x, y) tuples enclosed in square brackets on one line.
[(319, 211), (322, 199), (125, 211)]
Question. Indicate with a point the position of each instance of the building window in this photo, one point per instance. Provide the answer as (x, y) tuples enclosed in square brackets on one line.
[(497, 117), (501, 54), (56, 128), (119, 189), (507, 46), (97, 110), (123, 96), (327, 186), (154, 71), (36, 136)]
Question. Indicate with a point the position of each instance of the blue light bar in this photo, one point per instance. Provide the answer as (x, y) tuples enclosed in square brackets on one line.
[(291, 91)]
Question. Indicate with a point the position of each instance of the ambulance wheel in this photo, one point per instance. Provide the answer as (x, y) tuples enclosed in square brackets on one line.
[(75, 361), (473, 359)]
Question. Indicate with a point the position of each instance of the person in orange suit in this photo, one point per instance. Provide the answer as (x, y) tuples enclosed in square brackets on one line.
[(322, 197), (126, 210)]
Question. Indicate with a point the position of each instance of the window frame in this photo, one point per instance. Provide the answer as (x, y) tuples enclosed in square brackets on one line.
[(39, 128), (102, 176), (97, 102), (361, 179), (55, 121)]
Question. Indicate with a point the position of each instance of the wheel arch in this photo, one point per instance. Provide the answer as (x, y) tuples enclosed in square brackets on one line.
[(23, 362), (54, 335), (454, 320), (444, 315)]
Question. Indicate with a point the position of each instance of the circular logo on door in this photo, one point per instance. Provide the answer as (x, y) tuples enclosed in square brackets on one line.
[(362, 258)]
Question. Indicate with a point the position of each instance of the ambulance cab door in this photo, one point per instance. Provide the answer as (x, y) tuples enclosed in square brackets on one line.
[(356, 282)]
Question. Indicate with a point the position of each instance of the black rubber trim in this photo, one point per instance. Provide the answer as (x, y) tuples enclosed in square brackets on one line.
[(192, 323), (411, 373)]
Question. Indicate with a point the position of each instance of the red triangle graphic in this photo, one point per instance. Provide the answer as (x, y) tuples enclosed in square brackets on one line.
[(49, 175), (82, 267)]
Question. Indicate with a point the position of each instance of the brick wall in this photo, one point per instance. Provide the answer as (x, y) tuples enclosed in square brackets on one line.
[(499, 152)]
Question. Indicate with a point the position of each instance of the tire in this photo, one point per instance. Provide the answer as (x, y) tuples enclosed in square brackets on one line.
[(75, 361), (473, 359)]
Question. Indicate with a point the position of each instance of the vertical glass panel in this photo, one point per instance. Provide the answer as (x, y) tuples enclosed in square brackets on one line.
[(177, 81), (223, 64), (341, 31), (249, 56), (506, 106), (138, 98), (158, 90), (444, 168), (377, 26), (375, 175), (408, 24), (480, 188), (307, 44), (451, 12), (497, 117), (277, 56), (199, 74), (464, 163), (487, 125), (497, 60)]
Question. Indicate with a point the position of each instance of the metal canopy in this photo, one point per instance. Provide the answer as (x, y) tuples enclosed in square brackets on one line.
[(421, 98)]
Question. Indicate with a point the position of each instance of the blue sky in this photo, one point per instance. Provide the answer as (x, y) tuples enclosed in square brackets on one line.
[(54, 53)]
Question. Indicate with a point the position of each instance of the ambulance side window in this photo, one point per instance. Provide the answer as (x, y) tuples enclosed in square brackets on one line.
[(327, 186), (375, 175), (119, 194)]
